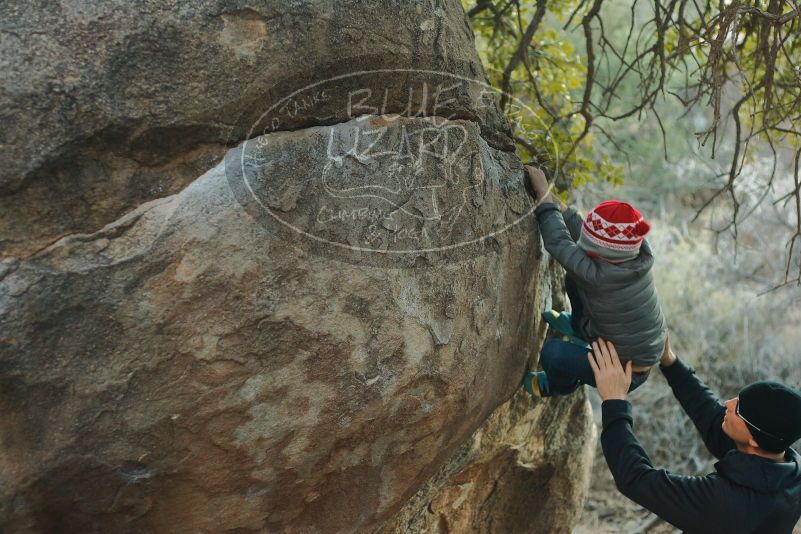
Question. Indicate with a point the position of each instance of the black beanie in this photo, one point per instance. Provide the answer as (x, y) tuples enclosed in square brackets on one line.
[(775, 409)]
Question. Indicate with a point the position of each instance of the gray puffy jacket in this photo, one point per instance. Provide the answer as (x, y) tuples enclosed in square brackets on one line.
[(619, 300)]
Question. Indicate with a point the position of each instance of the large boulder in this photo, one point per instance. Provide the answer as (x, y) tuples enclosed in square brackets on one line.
[(184, 366), (320, 333)]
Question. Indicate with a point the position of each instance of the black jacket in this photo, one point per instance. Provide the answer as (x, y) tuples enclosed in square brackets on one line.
[(745, 494)]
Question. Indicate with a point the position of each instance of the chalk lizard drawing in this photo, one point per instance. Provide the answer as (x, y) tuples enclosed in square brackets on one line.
[(406, 172)]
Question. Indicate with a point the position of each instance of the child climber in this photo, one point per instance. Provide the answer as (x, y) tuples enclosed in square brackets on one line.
[(610, 287)]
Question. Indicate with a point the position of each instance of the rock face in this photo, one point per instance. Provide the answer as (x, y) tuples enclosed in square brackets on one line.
[(524, 470), (322, 332), (108, 104)]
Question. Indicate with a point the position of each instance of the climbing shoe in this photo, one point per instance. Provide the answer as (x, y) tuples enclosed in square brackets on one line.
[(559, 322), (536, 383)]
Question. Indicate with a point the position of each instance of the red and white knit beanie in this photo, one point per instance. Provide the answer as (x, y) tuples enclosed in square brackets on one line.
[(613, 230)]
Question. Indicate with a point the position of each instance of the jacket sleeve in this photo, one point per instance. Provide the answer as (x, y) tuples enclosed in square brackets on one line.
[(701, 405), (573, 221), (559, 243), (694, 504)]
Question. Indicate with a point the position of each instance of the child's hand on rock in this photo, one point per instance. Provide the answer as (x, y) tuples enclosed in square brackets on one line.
[(538, 181)]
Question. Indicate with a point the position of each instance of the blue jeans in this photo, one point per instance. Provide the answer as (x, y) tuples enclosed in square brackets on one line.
[(566, 367)]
